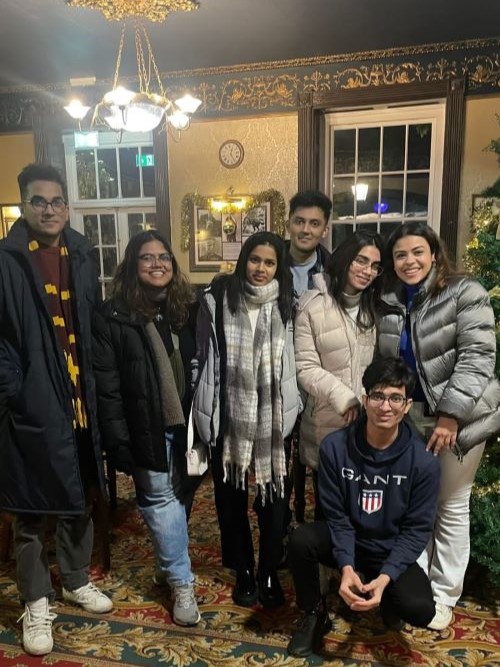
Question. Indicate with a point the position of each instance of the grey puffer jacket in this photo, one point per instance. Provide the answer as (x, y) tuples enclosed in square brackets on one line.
[(453, 340), (209, 373)]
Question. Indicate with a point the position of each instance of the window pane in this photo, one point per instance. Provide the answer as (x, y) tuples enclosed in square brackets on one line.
[(417, 195), (90, 229), (343, 200), (108, 230), (386, 228), (129, 172), (151, 221), (106, 163), (340, 233), (367, 207), (85, 174), (148, 174), (391, 202), (367, 227), (135, 224), (393, 158), (110, 261), (344, 146), (369, 149), (419, 146)]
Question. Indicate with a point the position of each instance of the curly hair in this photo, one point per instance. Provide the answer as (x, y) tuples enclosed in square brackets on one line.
[(234, 284), (442, 264), (127, 288), (338, 267), (39, 171)]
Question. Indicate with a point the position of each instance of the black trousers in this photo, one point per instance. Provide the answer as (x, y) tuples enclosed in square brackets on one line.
[(409, 598), (236, 536)]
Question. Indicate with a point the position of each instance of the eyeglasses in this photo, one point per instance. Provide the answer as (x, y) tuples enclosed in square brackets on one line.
[(396, 401), (364, 263), (40, 204), (150, 260)]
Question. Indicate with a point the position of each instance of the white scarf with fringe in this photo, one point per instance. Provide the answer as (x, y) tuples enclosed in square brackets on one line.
[(254, 408)]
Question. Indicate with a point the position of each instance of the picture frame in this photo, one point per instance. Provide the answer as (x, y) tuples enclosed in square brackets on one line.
[(214, 234)]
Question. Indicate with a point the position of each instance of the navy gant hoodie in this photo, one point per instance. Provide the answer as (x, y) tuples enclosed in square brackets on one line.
[(379, 502)]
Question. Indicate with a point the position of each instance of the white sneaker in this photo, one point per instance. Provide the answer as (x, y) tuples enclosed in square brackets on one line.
[(37, 627), (90, 598), (442, 617), (185, 607)]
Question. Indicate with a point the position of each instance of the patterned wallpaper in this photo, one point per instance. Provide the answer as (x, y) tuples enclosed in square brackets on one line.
[(270, 144)]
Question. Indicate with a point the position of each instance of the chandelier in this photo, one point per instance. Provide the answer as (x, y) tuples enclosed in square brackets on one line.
[(154, 10), (137, 111)]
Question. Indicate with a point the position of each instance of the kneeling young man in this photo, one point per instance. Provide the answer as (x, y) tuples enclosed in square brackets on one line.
[(378, 488)]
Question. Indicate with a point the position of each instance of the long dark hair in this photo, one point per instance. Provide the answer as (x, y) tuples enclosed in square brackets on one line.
[(127, 288), (235, 283), (442, 264), (338, 268)]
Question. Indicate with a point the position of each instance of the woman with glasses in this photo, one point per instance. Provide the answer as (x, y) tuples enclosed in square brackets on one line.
[(335, 341), (245, 404), (443, 327), (143, 346)]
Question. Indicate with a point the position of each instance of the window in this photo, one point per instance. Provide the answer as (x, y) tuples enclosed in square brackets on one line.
[(111, 192), (383, 166)]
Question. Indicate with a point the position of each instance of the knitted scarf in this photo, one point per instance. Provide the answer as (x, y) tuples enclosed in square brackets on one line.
[(170, 402), (254, 412)]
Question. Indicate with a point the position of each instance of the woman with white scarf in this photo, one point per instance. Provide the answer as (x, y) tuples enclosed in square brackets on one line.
[(245, 404)]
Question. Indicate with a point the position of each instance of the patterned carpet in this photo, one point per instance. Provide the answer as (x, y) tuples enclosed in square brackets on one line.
[(140, 632)]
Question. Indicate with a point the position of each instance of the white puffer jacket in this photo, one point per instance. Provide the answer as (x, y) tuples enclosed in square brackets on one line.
[(331, 355)]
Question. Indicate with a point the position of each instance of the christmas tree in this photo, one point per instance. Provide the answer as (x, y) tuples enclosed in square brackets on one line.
[(482, 260)]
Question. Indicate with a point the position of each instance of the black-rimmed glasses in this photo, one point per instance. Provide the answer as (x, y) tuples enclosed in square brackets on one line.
[(396, 401), (40, 204)]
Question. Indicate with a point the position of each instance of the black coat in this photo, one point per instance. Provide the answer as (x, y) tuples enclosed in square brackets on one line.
[(39, 465), (128, 387)]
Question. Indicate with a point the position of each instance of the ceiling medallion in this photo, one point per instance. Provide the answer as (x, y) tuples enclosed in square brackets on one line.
[(154, 10)]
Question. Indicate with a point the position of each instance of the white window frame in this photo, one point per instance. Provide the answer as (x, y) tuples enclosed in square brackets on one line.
[(432, 112)]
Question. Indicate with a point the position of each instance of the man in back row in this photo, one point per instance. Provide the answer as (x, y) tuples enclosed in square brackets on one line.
[(378, 488), (49, 444), (307, 226)]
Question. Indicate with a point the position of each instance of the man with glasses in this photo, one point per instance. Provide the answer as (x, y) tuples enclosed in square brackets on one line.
[(378, 488), (49, 445)]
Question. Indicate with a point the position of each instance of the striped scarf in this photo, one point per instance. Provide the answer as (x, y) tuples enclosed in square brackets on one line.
[(54, 268), (254, 410)]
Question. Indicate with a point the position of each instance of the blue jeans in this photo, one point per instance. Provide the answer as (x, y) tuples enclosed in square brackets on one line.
[(159, 499)]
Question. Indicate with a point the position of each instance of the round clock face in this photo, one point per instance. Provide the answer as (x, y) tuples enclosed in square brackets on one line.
[(231, 154)]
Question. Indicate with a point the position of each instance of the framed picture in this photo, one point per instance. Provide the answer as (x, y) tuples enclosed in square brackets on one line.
[(9, 213), (216, 237)]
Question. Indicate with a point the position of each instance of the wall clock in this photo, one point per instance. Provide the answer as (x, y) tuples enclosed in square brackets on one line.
[(231, 154)]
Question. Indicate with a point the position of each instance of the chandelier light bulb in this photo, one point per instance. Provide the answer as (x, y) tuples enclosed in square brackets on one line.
[(188, 104), (179, 120), (119, 96), (76, 109)]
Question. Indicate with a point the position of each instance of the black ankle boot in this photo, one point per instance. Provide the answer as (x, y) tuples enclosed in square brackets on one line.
[(245, 588), (309, 635), (270, 591)]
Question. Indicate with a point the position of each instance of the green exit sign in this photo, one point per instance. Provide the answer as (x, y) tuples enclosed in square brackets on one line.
[(145, 160)]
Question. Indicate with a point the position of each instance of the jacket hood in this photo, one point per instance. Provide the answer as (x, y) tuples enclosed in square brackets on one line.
[(360, 450)]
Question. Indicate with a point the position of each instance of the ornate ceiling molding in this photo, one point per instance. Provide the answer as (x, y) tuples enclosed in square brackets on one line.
[(275, 87)]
